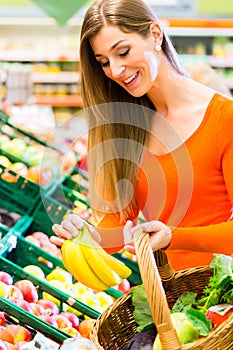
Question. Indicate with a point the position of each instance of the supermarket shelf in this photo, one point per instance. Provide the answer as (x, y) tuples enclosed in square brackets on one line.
[(199, 31), (59, 77), (32, 56), (58, 101), (36, 21), (214, 61)]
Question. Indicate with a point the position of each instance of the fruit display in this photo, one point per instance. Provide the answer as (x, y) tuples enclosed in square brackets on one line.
[(89, 263), (60, 296), (36, 162), (39, 302)]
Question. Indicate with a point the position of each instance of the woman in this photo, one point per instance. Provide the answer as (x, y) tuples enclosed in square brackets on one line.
[(159, 142)]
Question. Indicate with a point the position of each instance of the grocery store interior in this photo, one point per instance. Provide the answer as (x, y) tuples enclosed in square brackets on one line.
[(43, 144)]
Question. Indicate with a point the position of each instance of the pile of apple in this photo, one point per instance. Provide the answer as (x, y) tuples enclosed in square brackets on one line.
[(41, 240), (12, 336), (24, 294), (44, 162), (35, 173)]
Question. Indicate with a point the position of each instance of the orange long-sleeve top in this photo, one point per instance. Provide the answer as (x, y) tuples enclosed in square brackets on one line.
[(189, 189)]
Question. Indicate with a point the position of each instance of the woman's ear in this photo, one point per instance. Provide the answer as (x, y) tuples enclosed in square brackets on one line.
[(156, 33)]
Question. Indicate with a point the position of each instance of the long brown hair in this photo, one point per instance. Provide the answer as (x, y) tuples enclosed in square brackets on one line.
[(118, 122)]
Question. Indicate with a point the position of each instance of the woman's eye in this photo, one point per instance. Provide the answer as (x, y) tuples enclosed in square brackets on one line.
[(124, 53)]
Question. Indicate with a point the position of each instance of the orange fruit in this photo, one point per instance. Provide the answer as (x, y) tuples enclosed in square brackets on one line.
[(85, 327)]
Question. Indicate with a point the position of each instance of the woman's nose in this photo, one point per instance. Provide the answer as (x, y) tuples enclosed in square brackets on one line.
[(117, 70)]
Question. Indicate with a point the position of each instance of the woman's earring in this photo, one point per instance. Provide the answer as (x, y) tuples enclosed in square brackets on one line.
[(157, 47)]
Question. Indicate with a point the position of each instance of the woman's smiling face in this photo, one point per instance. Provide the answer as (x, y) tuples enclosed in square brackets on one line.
[(127, 58)]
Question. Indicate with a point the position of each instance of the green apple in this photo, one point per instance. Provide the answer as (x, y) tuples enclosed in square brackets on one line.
[(186, 332), (5, 162), (16, 147)]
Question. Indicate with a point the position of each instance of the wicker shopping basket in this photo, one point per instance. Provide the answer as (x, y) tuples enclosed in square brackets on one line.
[(115, 327)]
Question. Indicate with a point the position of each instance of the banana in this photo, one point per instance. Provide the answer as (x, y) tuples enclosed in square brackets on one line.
[(114, 264), (76, 264), (99, 266)]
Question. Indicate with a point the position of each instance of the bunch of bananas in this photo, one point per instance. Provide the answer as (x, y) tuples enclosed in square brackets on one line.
[(90, 264)]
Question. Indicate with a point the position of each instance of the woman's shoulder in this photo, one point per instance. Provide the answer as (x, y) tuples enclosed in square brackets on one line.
[(221, 106)]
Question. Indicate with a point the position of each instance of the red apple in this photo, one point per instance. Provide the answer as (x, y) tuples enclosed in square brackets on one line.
[(15, 292), (18, 332), (6, 277), (50, 307), (5, 335), (72, 318), (124, 286), (28, 290), (23, 304), (49, 319), (38, 309), (42, 237), (2, 319), (33, 240), (62, 321)]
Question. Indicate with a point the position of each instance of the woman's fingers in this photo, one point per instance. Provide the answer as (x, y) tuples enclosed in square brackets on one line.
[(70, 227), (57, 240), (130, 248), (128, 237), (160, 234)]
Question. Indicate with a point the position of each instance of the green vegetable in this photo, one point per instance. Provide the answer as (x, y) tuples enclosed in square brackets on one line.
[(142, 313), (186, 332), (220, 286)]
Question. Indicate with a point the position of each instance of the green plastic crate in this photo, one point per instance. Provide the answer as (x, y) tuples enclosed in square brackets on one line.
[(74, 185), (7, 237), (70, 198), (21, 196), (135, 277), (24, 194), (26, 254), (48, 212)]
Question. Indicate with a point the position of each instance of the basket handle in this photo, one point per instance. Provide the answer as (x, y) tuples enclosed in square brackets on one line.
[(155, 293)]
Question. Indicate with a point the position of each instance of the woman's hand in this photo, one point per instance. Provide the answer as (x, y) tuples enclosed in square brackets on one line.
[(160, 234), (69, 228)]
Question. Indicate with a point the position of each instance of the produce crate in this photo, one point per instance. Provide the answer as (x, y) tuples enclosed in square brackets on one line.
[(79, 185), (7, 237), (42, 222), (21, 192), (70, 198), (26, 253), (17, 315), (21, 196)]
